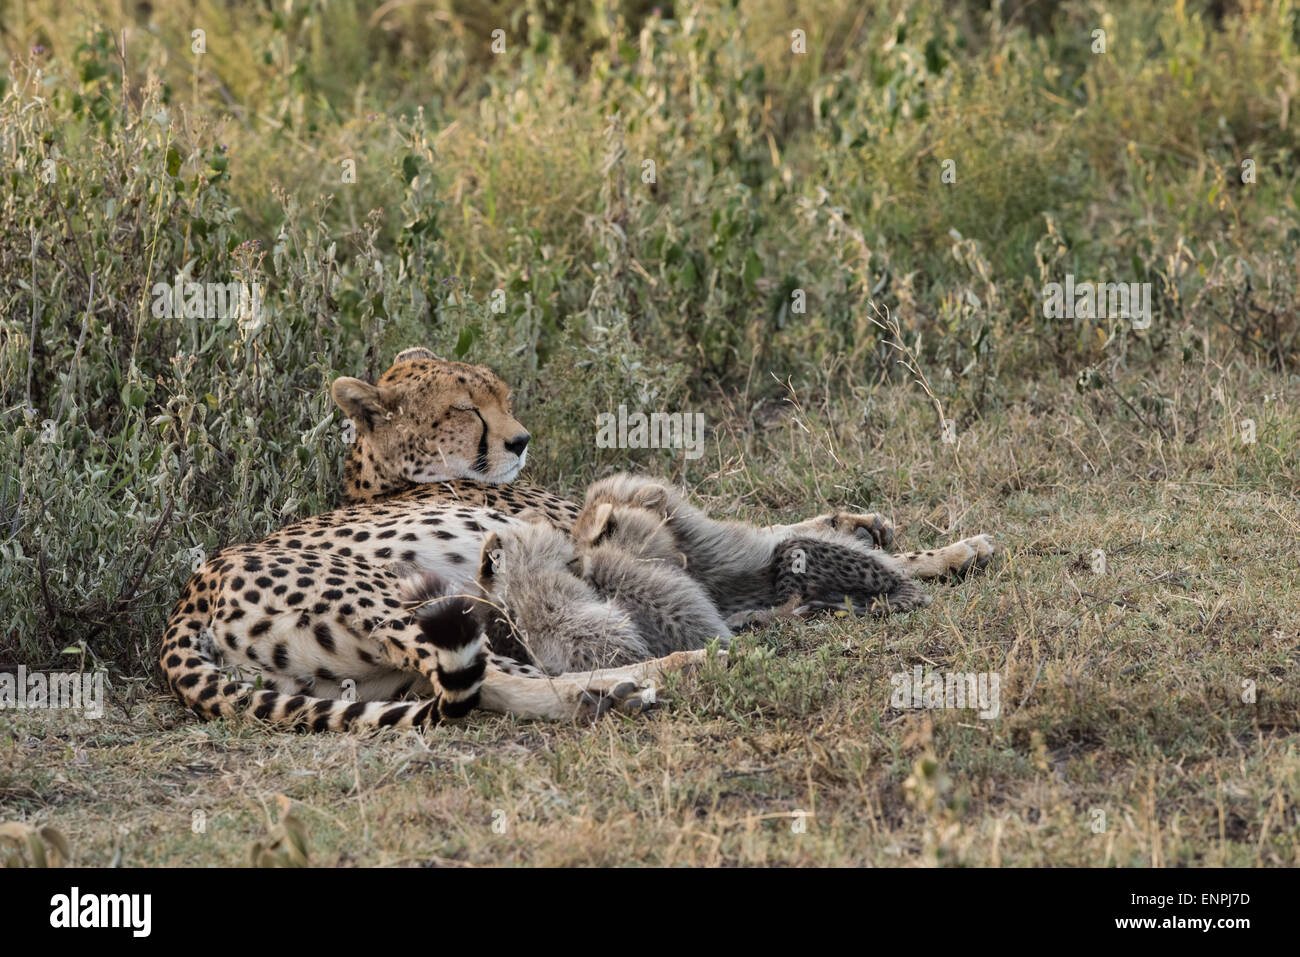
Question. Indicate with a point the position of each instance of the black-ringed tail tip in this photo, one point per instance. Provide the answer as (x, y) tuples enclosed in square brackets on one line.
[(448, 623)]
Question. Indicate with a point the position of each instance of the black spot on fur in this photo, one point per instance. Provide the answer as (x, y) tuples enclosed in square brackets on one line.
[(424, 715), (323, 636), (351, 713)]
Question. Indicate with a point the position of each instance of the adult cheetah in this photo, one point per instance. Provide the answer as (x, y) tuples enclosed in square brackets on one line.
[(314, 626)]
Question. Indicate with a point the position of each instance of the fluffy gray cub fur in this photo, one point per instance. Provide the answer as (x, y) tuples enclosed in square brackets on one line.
[(743, 568), (670, 610)]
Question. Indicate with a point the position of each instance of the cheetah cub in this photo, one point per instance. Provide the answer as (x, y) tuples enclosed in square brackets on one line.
[(744, 569), (643, 571), (564, 612)]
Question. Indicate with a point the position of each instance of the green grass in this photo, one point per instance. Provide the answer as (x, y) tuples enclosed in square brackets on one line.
[(129, 440)]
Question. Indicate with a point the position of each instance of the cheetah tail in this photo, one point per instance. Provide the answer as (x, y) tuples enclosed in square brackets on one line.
[(190, 668), (448, 623)]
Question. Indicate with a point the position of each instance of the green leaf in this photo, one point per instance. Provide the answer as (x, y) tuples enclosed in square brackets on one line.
[(173, 161), (687, 277), (935, 61), (410, 167), (463, 343), (753, 270)]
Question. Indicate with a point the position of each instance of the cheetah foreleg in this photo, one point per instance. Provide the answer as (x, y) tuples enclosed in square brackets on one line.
[(958, 558), (584, 695), (870, 527)]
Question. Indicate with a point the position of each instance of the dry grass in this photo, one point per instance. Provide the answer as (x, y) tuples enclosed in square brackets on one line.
[(1121, 692)]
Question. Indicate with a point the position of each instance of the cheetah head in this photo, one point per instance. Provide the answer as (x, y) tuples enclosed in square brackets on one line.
[(640, 531), (429, 420), (525, 551), (525, 573)]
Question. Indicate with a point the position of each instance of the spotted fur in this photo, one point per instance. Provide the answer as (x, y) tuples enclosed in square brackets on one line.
[(604, 608)]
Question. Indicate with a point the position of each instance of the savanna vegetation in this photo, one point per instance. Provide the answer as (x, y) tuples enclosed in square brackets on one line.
[(833, 243)]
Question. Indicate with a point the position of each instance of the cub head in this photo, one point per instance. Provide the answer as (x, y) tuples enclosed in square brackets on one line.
[(641, 532), (531, 554), (641, 491), (428, 420), (525, 573)]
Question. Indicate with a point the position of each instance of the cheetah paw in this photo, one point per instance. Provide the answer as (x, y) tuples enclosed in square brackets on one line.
[(982, 549), (864, 525), (626, 697)]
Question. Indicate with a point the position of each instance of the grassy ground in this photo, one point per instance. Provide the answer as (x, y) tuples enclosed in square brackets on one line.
[(1123, 737)]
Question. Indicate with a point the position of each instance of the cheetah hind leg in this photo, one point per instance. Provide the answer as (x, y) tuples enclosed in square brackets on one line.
[(820, 573), (907, 596), (865, 525), (792, 607), (871, 527)]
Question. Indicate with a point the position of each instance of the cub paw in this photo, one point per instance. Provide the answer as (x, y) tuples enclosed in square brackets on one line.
[(982, 549), (864, 525)]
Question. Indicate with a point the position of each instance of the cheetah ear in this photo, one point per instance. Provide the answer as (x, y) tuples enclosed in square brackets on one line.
[(534, 516), (654, 498), (490, 558), (415, 352), (602, 523), (365, 404), (681, 559)]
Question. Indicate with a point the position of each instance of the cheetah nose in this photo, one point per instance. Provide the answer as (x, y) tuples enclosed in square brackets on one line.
[(518, 443)]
